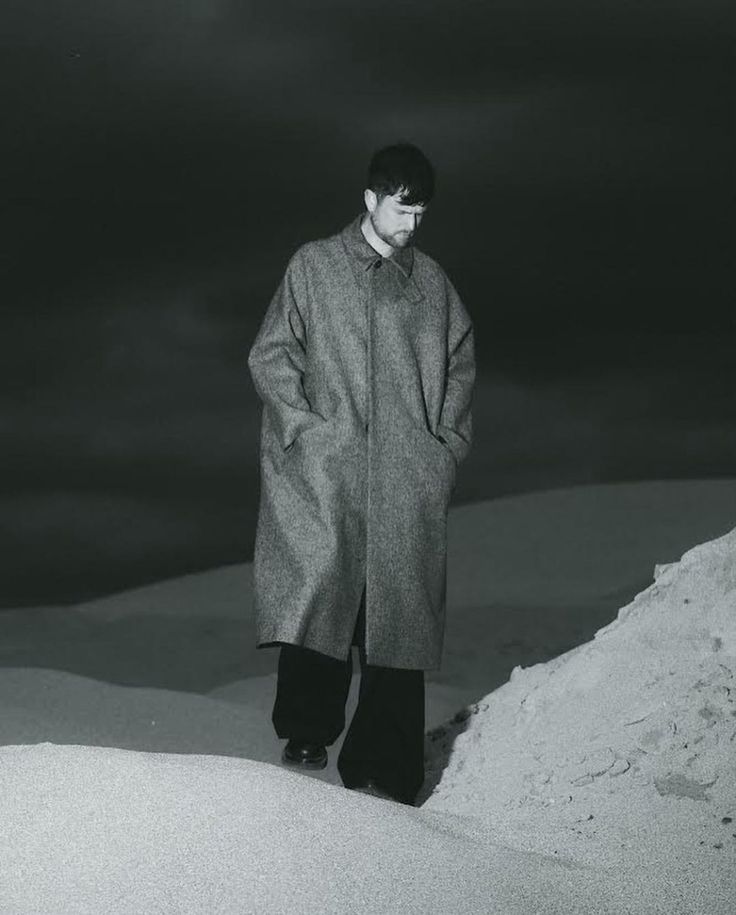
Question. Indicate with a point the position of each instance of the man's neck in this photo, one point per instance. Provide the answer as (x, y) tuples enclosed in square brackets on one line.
[(378, 244)]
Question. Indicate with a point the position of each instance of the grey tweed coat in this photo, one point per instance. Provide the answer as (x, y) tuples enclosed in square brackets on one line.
[(366, 387)]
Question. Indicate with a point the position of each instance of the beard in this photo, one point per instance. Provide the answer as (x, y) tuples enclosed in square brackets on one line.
[(395, 239)]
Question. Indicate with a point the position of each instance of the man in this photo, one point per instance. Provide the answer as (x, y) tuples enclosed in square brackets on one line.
[(365, 366)]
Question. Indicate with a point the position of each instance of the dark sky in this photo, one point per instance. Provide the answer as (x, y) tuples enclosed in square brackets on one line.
[(162, 160)]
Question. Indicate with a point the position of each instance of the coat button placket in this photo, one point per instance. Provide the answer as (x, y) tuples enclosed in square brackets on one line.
[(370, 299)]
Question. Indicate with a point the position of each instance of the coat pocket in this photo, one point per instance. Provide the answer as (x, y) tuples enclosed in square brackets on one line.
[(444, 455), (441, 444), (318, 421)]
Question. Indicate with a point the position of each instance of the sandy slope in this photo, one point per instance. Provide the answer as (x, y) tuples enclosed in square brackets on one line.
[(170, 669), (622, 750), (87, 830)]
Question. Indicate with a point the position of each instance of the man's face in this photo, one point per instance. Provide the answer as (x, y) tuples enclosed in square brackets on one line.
[(394, 222)]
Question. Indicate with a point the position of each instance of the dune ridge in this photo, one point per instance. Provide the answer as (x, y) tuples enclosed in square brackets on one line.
[(622, 750)]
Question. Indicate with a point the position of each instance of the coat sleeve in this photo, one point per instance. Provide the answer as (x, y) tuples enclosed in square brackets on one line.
[(277, 358), (456, 424)]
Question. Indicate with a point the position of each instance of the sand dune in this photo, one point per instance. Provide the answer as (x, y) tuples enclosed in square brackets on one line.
[(90, 830), (621, 751), (136, 773)]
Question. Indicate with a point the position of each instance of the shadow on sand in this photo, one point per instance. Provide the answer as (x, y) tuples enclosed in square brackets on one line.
[(184, 654)]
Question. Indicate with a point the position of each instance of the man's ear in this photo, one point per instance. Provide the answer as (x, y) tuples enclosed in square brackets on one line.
[(371, 200)]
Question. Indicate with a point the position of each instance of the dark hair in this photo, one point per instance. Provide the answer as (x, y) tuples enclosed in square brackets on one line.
[(402, 166)]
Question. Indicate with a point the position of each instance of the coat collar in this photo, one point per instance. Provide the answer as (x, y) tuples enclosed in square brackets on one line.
[(365, 256), (362, 256)]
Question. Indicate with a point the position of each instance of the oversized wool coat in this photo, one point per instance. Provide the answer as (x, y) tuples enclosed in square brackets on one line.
[(366, 416)]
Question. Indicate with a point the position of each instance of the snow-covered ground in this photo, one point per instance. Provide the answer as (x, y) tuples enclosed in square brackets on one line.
[(138, 771)]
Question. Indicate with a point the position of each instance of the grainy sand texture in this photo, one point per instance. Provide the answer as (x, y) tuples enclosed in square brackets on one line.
[(581, 751), (622, 752)]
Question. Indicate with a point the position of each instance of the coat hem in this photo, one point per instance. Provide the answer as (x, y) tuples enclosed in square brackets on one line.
[(372, 661)]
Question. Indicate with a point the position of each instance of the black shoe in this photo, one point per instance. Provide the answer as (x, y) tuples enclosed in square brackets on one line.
[(370, 786), (305, 755)]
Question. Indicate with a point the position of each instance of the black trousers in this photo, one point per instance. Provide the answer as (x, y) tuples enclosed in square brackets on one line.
[(385, 740)]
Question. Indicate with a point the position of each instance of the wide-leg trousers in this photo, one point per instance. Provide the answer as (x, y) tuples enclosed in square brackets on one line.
[(385, 740)]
